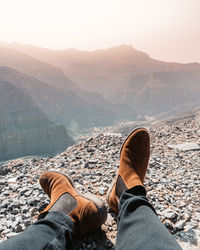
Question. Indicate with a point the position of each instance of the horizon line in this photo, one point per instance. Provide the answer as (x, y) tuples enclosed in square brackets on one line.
[(92, 50)]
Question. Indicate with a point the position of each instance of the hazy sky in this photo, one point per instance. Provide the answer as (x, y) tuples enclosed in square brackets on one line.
[(165, 29)]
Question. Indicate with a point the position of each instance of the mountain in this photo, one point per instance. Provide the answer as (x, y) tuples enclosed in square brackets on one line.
[(159, 92), (103, 70), (121, 110), (132, 81), (24, 128), (68, 103), (61, 105), (28, 65)]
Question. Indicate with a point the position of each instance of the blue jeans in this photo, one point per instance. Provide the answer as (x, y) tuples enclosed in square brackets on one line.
[(138, 228)]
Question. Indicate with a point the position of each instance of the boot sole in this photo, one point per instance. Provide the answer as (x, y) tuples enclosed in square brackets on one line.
[(98, 203), (113, 182)]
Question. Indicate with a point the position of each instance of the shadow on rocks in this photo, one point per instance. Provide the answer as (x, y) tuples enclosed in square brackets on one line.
[(97, 240)]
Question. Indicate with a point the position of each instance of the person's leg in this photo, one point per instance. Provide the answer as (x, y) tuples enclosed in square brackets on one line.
[(87, 212), (139, 226), (68, 212), (54, 231)]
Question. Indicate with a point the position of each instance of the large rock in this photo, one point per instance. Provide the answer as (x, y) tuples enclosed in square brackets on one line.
[(185, 146)]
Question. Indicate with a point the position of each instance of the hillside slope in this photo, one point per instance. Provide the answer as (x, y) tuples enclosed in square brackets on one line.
[(159, 92), (61, 105), (24, 129), (28, 65)]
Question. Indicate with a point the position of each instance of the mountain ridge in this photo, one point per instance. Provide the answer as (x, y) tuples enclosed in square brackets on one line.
[(110, 73), (159, 92), (61, 105), (104, 70), (31, 66)]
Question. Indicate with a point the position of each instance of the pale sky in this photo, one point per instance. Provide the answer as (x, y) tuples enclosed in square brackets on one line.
[(166, 29)]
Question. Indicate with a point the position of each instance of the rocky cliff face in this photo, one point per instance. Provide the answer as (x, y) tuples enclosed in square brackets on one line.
[(24, 129), (33, 67)]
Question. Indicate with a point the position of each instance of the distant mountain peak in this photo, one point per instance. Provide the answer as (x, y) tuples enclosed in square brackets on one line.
[(127, 50), (123, 47)]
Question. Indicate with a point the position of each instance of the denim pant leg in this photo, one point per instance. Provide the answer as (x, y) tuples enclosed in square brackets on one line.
[(138, 225), (54, 231)]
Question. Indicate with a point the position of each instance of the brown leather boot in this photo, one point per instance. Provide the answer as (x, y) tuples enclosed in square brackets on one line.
[(134, 157), (87, 212)]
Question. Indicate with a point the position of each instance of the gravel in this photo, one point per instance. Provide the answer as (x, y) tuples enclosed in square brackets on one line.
[(172, 183)]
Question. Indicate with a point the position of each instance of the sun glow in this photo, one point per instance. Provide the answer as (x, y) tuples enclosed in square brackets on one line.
[(155, 26)]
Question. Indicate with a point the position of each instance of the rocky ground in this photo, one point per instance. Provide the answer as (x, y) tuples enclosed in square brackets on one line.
[(172, 182)]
